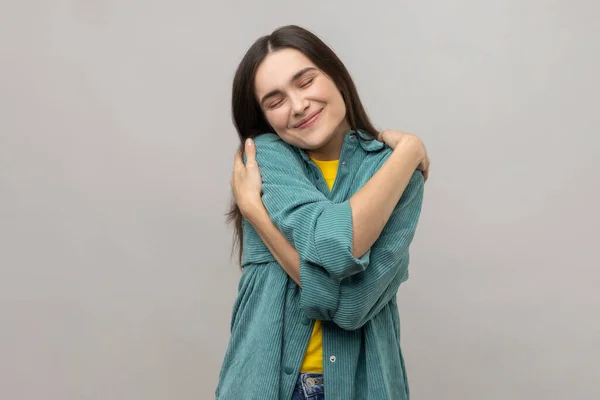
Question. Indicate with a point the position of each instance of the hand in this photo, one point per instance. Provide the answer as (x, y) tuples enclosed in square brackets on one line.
[(246, 182), (397, 138)]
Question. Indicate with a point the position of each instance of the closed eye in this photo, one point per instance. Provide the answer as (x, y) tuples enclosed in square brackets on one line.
[(307, 82), (275, 104)]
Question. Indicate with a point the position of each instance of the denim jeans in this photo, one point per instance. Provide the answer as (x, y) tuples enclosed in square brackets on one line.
[(309, 386)]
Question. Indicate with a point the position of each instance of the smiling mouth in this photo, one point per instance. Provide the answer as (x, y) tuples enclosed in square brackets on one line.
[(306, 122)]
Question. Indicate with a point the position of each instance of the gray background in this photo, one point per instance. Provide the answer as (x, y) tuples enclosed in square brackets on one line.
[(116, 149)]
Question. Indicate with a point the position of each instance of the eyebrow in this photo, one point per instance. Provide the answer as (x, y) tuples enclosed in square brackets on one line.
[(296, 76)]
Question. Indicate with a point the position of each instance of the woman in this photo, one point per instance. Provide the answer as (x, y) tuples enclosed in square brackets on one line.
[(325, 214)]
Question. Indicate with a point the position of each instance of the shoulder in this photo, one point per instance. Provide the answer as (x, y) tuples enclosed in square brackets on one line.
[(271, 147), (273, 144), (273, 152), (373, 160), (270, 141), (376, 159), (266, 138)]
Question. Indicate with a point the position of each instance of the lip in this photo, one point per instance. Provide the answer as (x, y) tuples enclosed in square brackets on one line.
[(308, 121)]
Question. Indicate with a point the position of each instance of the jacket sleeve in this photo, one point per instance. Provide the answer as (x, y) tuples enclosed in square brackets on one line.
[(353, 301), (320, 230), (335, 286)]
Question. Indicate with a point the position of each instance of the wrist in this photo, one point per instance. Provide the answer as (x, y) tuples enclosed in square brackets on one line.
[(254, 212)]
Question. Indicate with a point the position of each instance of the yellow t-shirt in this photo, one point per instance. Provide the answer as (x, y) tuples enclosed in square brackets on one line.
[(313, 358)]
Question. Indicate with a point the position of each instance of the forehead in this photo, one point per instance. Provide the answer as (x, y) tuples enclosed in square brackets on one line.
[(278, 68)]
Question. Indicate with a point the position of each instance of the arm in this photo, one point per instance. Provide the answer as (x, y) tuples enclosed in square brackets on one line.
[(283, 251), (374, 203), (356, 299), (362, 296), (325, 234)]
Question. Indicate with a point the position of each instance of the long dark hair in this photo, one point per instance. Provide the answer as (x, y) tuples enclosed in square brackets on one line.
[(248, 117)]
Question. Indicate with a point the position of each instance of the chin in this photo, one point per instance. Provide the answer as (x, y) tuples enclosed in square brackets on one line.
[(311, 138), (320, 137), (303, 140)]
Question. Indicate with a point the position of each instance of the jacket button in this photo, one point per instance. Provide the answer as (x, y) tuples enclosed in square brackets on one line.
[(288, 370), (332, 359), (305, 321)]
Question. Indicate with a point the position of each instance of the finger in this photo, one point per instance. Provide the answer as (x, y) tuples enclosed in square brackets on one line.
[(250, 149), (238, 163)]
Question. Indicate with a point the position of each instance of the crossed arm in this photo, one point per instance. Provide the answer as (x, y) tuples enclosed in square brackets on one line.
[(348, 258)]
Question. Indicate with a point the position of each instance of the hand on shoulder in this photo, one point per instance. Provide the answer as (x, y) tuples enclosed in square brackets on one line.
[(395, 139)]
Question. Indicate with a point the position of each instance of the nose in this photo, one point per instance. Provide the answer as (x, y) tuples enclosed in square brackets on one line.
[(299, 104)]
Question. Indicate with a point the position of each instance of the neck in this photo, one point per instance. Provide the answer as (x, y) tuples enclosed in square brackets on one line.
[(332, 149)]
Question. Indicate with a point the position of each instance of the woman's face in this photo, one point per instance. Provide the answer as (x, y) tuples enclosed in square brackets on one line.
[(301, 103)]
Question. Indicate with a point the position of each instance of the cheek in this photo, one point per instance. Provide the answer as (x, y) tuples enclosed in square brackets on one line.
[(338, 107), (277, 118), (333, 97)]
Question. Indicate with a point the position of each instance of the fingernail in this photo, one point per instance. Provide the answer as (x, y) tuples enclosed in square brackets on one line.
[(249, 142)]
